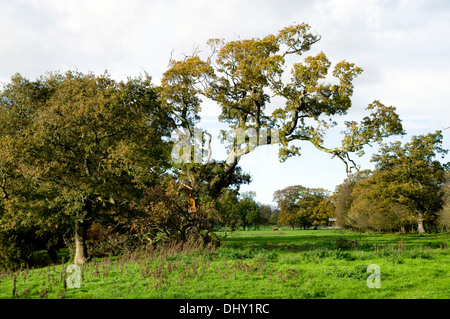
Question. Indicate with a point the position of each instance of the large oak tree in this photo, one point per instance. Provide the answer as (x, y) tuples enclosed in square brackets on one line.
[(268, 94), (405, 189), (77, 147), (411, 175)]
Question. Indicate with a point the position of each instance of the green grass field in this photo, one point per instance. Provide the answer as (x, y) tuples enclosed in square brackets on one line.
[(262, 264)]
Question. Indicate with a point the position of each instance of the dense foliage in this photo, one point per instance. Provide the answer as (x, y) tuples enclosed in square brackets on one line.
[(90, 162), (302, 206), (76, 149), (405, 192)]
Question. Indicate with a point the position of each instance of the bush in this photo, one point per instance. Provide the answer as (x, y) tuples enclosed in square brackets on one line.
[(15, 251), (106, 240), (358, 272)]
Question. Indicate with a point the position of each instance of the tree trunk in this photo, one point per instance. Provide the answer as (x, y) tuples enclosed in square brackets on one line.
[(81, 228), (52, 253), (403, 229), (420, 228), (80, 242)]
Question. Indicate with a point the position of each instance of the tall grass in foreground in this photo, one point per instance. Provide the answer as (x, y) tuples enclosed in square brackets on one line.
[(299, 264)]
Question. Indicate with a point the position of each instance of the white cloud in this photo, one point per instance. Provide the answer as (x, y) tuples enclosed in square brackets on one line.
[(419, 95), (403, 46)]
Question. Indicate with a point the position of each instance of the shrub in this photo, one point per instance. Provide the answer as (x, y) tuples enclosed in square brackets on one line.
[(358, 272), (15, 251)]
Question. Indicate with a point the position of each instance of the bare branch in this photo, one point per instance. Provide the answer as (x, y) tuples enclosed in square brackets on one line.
[(339, 152), (3, 187)]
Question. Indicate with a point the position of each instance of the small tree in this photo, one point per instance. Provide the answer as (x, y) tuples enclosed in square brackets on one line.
[(344, 196), (287, 202), (248, 210), (303, 206), (267, 214), (228, 209), (322, 210)]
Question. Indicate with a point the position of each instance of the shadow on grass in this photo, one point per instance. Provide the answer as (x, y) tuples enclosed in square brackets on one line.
[(333, 239)]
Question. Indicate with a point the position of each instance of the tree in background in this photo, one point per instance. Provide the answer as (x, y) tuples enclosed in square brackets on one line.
[(286, 200), (414, 175), (301, 206), (242, 210), (249, 212), (78, 148), (371, 211), (343, 197), (228, 209), (323, 207), (405, 188), (268, 214)]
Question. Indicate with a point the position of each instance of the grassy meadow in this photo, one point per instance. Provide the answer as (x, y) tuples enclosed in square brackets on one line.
[(260, 264)]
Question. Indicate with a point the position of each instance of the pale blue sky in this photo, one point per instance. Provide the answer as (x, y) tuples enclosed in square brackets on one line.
[(403, 47)]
